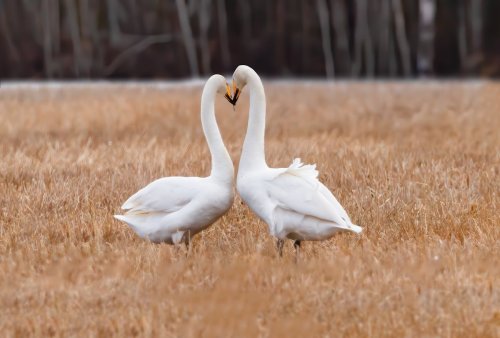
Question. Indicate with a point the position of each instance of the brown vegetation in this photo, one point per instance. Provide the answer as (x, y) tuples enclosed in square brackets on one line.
[(416, 164)]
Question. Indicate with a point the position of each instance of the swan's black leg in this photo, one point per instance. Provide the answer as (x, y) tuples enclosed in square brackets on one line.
[(279, 246), (187, 242), (177, 249), (296, 245)]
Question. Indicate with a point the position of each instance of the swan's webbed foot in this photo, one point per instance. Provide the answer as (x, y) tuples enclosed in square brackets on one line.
[(296, 245), (279, 245)]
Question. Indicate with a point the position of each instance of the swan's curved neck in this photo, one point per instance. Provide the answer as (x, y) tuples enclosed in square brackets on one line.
[(222, 165), (252, 155)]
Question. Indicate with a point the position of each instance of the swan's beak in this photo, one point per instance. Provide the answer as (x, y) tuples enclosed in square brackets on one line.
[(232, 98), (228, 94), (236, 94)]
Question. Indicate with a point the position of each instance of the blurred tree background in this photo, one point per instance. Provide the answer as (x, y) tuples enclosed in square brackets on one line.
[(189, 38)]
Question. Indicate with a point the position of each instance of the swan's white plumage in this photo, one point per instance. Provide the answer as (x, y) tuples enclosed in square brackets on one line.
[(167, 194), (298, 189), (292, 201), (173, 209)]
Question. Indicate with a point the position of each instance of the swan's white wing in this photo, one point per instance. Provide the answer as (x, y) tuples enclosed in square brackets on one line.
[(160, 202), (165, 195), (335, 203), (298, 189)]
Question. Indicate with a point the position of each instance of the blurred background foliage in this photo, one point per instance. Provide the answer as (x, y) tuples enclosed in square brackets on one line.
[(190, 38)]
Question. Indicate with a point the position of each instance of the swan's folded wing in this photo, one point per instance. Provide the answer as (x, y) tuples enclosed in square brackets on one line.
[(165, 195), (297, 188), (335, 203)]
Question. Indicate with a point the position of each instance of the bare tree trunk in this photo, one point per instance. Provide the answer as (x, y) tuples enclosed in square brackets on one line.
[(11, 47), (223, 38), (115, 13), (462, 37), (86, 20), (359, 32), (85, 29), (56, 36), (90, 31), (75, 34), (363, 43), (187, 36), (393, 60), (132, 6), (425, 56), (204, 14), (341, 27), (305, 36), (246, 12), (476, 33), (35, 12), (476, 20), (368, 46), (150, 23), (47, 39), (402, 40), (192, 6), (55, 27), (138, 7), (384, 35), (324, 22), (281, 60), (114, 25)]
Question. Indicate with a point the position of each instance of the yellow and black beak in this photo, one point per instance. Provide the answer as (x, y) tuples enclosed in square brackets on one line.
[(228, 94), (234, 97), (236, 93)]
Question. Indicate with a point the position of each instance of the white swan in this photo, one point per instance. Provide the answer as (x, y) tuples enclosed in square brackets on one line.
[(173, 209), (292, 201)]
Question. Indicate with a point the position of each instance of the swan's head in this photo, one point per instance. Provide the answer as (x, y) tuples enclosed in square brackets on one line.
[(218, 82), (240, 80)]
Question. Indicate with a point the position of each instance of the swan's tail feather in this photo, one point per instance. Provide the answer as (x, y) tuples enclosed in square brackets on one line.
[(298, 168), (346, 226), (120, 218), (142, 224), (355, 228), (130, 222)]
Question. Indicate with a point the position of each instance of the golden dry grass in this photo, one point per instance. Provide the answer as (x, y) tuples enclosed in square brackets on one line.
[(416, 164)]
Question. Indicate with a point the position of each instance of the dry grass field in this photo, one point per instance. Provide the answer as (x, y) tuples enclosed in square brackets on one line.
[(416, 164)]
